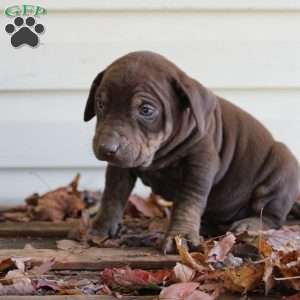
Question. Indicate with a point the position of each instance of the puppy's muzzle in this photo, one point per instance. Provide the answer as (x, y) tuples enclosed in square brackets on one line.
[(108, 146)]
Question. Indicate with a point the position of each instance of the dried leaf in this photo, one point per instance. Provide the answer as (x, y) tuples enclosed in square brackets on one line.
[(288, 265), (265, 248), (7, 264), (147, 207), (221, 248), (186, 257), (268, 276), (286, 239), (20, 285), (184, 291), (244, 278), (64, 202), (41, 283), (183, 273), (133, 278), (43, 268)]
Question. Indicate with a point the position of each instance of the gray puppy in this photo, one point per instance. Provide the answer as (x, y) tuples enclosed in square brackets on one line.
[(218, 164)]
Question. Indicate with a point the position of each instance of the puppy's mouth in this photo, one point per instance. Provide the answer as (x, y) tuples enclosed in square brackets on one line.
[(125, 161)]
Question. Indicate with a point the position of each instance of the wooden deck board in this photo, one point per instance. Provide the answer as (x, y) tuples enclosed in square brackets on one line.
[(97, 258), (36, 229), (43, 235), (73, 297)]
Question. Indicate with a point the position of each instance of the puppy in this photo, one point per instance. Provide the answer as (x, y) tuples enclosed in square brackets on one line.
[(218, 164)]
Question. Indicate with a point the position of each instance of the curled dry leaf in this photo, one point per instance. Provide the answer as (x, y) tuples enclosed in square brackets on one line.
[(288, 265), (13, 263), (148, 207), (64, 202), (187, 258), (43, 268), (183, 273), (7, 264), (286, 239), (16, 284), (268, 275), (20, 287), (184, 291), (221, 248), (244, 278)]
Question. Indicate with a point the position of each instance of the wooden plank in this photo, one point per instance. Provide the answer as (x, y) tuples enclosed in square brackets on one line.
[(97, 258), (36, 229), (73, 297), (49, 229), (21, 242)]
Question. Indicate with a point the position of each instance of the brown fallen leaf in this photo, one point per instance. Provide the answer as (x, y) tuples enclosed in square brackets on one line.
[(57, 205), (7, 264), (184, 291), (148, 207), (244, 278), (133, 278), (221, 248), (13, 263), (288, 265)]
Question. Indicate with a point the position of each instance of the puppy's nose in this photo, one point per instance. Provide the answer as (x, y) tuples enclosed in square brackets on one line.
[(109, 148), (109, 144)]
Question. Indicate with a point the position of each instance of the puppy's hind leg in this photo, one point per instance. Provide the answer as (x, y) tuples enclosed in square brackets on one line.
[(276, 194)]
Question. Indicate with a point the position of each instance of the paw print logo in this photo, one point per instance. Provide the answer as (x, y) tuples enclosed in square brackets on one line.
[(24, 33)]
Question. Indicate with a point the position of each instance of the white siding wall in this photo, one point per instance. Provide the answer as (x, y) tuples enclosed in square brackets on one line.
[(247, 51)]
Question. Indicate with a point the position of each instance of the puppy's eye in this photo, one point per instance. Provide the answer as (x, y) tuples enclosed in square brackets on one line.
[(147, 110)]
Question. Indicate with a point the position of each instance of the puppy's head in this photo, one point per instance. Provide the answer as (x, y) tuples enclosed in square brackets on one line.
[(139, 101)]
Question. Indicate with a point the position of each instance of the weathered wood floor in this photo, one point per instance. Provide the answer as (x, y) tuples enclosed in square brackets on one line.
[(42, 236)]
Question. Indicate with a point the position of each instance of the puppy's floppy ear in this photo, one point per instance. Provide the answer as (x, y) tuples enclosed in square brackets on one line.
[(89, 111), (194, 95)]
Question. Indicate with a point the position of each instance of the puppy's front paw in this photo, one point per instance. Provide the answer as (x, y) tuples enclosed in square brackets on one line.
[(192, 239), (248, 224), (100, 232)]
